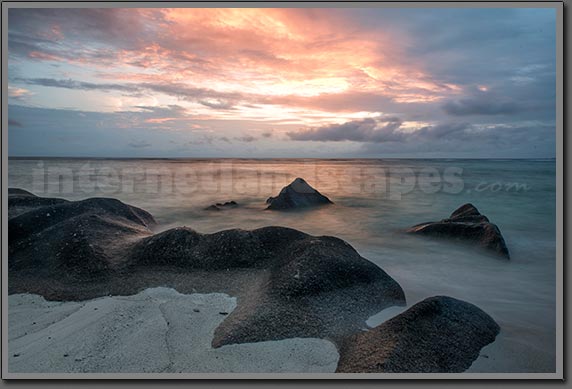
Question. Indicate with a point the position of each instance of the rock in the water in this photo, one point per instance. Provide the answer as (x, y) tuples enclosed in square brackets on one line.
[(438, 335), (299, 194), (221, 206), (466, 224)]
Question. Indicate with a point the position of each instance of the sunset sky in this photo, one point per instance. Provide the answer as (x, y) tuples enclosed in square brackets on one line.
[(351, 82)]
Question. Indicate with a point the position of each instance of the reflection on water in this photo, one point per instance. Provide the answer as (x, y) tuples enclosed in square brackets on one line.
[(374, 200)]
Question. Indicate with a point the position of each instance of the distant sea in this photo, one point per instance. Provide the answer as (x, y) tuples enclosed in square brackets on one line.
[(375, 199)]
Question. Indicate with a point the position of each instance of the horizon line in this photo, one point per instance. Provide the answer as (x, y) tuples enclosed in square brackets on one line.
[(279, 158)]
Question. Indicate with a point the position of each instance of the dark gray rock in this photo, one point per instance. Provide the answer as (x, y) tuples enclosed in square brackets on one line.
[(221, 206), (75, 239), (230, 203), (315, 287), (21, 201), (291, 284), (19, 192), (310, 286), (174, 247), (468, 225), (438, 335), (298, 194), (185, 248)]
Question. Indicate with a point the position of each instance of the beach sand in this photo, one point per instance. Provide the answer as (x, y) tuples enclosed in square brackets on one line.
[(157, 330)]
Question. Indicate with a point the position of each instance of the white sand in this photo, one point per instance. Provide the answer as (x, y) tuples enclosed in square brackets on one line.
[(156, 330)]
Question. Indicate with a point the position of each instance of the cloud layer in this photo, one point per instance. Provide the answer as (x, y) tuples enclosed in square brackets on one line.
[(266, 81)]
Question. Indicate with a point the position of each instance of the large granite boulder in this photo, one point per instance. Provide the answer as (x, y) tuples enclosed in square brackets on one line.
[(468, 225), (291, 284), (437, 335), (309, 286), (315, 287), (75, 239), (20, 201), (298, 194)]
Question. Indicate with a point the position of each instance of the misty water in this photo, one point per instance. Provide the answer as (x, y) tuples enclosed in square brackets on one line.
[(374, 201)]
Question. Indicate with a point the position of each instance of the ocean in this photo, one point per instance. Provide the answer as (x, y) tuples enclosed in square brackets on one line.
[(375, 200)]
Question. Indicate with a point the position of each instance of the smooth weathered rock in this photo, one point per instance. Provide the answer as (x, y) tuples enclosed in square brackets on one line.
[(438, 335), (310, 286), (76, 239), (20, 192), (316, 286), (290, 284), (468, 225), (298, 194), (21, 201)]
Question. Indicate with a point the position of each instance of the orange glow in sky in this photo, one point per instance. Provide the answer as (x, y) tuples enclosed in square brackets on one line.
[(309, 74)]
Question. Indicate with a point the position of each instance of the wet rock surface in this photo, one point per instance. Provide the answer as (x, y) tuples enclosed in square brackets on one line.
[(297, 195), (20, 201), (288, 284), (466, 224), (437, 335), (314, 286), (76, 239)]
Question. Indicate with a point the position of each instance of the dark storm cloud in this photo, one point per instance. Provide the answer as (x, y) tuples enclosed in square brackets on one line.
[(366, 130), (440, 131), (387, 131), (482, 106), (461, 140)]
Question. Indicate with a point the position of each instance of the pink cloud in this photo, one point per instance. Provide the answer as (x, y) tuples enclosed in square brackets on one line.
[(300, 58)]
